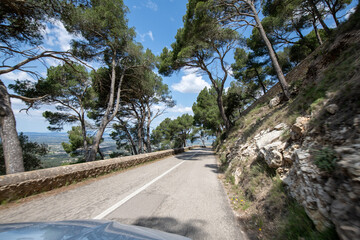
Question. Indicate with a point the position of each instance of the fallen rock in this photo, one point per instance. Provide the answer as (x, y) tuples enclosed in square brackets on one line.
[(299, 128), (271, 155), (332, 108), (274, 102), (237, 175)]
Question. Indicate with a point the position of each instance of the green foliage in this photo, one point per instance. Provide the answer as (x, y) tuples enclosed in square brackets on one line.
[(76, 141), (206, 111), (118, 154), (251, 73), (298, 225), (325, 159), (300, 50), (173, 133), (202, 44), (24, 21), (32, 152), (237, 97), (142, 89), (69, 87), (104, 30)]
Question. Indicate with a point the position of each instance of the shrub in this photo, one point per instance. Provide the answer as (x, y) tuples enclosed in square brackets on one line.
[(297, 225), (325, 159)]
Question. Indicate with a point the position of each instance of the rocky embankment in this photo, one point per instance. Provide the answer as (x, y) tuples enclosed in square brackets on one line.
[(315, 150), (327, 198)]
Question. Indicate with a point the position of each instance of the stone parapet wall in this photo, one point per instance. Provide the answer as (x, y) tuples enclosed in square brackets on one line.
[(19, 185)]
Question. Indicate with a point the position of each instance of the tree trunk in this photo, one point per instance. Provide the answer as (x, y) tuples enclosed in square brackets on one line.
[(318, 15), (332, 10), (222, 111), (83, 131), (11, 145), (260, 81), (284, 85), (140, 134), (108, 116), (335, 19), (100, 153), (148, 143), (140, 142), (184, 140), (318, 37), (130, 138), (94, 148)]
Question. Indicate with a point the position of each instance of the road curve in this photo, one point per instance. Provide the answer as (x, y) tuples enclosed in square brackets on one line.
[(180, 194)]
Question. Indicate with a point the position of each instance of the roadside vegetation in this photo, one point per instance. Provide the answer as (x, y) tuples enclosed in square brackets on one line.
[(288, 41), (259, 198)]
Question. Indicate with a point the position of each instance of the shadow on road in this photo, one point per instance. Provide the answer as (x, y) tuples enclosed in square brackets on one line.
[(191, 229), (189, 156), (214, 167)]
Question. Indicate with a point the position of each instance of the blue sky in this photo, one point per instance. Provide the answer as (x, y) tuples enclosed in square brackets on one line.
[(156, 23)]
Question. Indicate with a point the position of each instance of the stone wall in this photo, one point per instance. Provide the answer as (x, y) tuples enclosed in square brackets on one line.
[(18, 185)]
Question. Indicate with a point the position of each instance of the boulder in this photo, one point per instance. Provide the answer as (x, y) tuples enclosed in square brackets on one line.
[(299, 128), (237, 175), (275, 101), (271, 155), (332, 108)]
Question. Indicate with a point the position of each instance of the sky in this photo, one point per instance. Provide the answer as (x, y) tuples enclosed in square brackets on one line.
[(156, 23)]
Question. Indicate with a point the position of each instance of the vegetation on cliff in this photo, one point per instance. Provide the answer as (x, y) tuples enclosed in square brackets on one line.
[(326, 97)]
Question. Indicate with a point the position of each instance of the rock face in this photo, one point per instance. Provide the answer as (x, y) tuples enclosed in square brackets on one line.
[(328, 199), (270, 147)]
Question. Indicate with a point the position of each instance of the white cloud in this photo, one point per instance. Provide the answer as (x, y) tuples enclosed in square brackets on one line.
[(230, 71), (191, 82), (151, 35), (151, 5), (17, 75), (57, 36), (175, 109), (181, 109), (53, 62), (144, 35), (349, 13)]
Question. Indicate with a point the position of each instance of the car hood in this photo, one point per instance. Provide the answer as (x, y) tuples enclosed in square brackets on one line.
[(81, 230)]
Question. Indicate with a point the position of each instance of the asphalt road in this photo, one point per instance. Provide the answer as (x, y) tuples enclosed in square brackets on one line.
[(179, 194)]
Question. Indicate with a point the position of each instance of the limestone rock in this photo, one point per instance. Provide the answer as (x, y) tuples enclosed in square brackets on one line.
[(275, 101), (281, 126), (289, 152), (299, 128), (350, 156), (271, 155), (237, 175), (332, 108), (268, 138), (270, 147)]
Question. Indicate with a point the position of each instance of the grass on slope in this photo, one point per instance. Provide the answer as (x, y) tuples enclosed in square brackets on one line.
[(333, 77)]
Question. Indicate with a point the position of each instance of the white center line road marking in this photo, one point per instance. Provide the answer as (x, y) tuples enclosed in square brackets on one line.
[(121, 202)]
